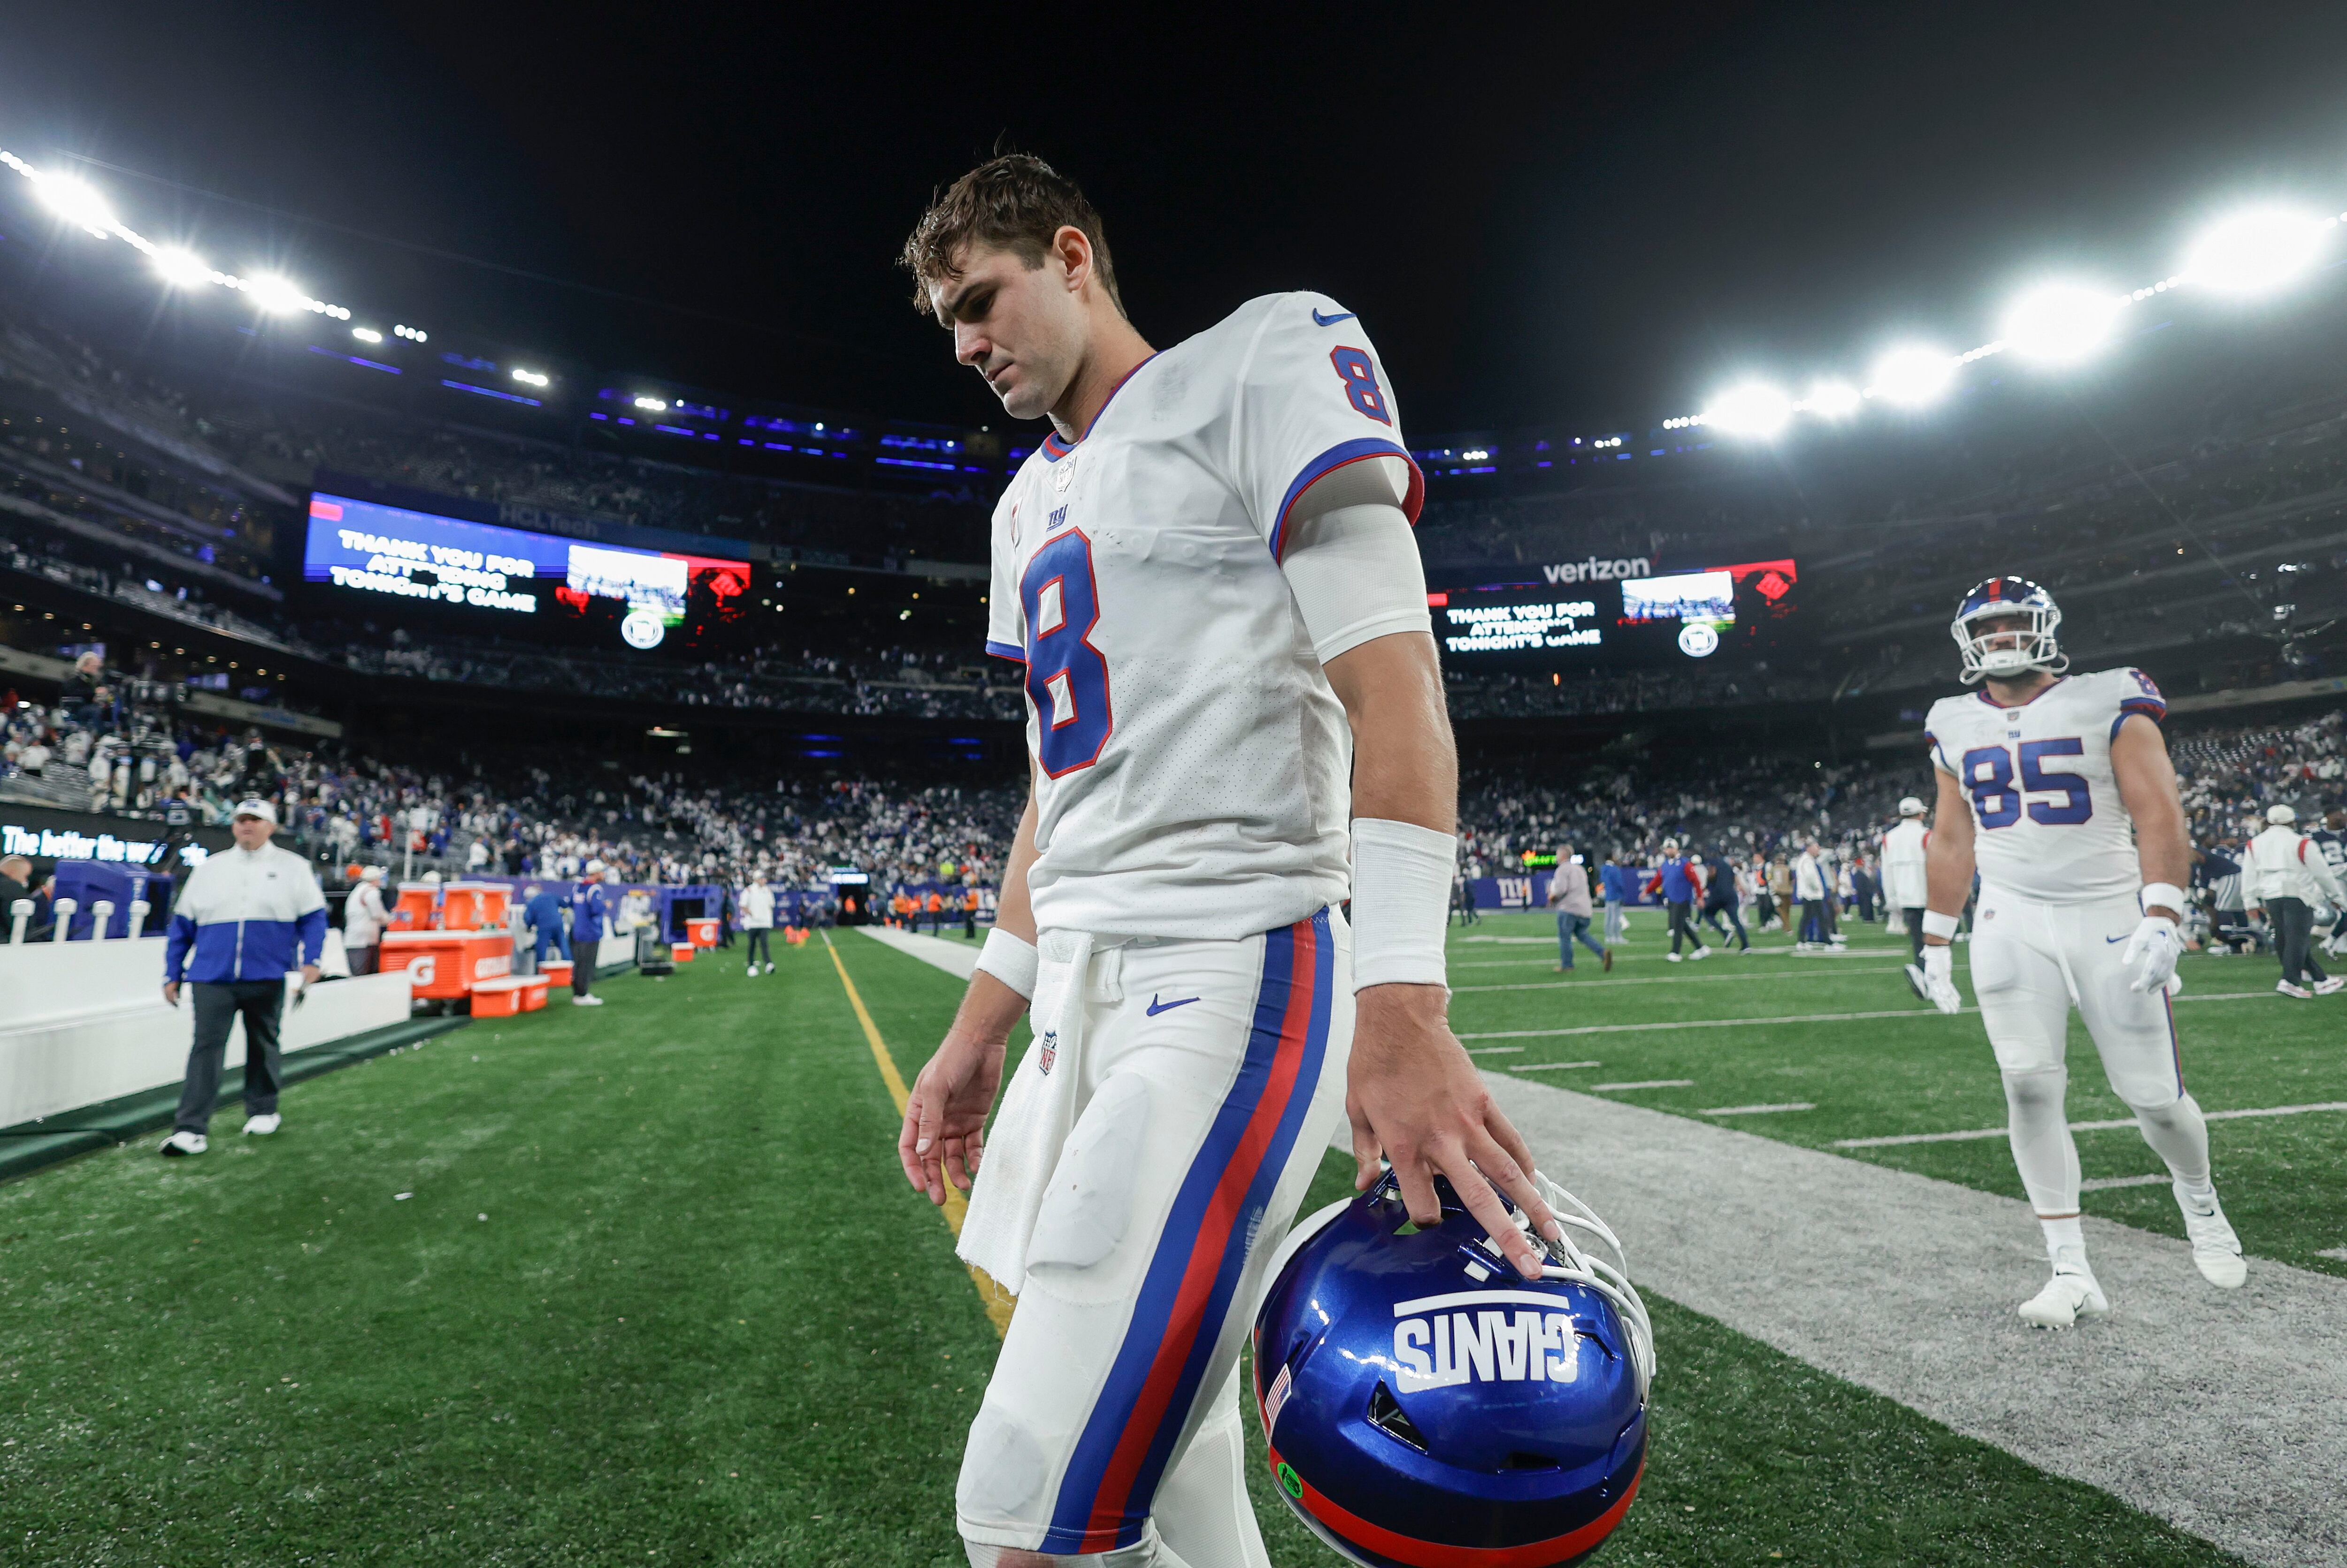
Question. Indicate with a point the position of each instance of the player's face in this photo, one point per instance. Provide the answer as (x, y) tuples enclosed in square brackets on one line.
[(1992, 632), (1021, 327)]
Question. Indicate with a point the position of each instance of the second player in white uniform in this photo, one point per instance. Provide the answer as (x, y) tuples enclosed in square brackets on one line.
[(2058, 789), (1234, 717)]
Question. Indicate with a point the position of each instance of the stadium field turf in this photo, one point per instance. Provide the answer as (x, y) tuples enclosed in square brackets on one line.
[(656, 1293)]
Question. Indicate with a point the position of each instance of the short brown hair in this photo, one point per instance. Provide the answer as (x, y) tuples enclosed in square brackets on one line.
[(1012, 202)]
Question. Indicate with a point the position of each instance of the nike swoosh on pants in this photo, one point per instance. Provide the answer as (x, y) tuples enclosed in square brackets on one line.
[(1155, 1007), (1319, 320)]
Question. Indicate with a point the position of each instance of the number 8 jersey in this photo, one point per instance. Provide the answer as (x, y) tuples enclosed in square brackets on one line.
[(1192, 766), (2045, 801)]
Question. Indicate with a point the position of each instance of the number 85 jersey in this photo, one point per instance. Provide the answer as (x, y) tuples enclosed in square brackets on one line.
[(1192, 766), (2045, 803)]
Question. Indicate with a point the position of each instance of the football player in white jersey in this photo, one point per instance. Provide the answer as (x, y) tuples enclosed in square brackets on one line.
[(1235, 717), (2059, 789)]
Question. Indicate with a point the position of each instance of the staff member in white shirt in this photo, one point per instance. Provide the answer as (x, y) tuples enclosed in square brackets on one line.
[(247, 915), (2284, 871), (1903, 879), (756, 903), (363, 919)]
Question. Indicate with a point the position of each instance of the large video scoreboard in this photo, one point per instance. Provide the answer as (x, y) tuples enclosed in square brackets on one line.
[(1618, 612), (365, 551)]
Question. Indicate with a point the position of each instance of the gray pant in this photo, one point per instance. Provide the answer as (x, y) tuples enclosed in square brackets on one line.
[(2293, 924), (216, 1007), (1613, 922), (363, 960)]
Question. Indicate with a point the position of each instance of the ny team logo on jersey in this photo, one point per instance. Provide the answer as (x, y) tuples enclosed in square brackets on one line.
[(1047, 1052)]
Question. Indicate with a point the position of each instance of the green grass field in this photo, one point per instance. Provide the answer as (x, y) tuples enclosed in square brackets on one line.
[(658, 1295)]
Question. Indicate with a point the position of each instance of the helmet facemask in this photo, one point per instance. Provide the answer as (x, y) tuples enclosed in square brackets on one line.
[(2009, 652)]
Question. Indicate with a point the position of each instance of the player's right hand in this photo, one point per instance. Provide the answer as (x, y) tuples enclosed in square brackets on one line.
[(1940, 980), (944, 1134)]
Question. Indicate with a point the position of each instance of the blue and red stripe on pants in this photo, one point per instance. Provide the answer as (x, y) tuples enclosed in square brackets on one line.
[(1186, 1295)]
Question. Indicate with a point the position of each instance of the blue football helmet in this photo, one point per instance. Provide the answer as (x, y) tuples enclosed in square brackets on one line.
[(1427, 1406), (2007, 653)]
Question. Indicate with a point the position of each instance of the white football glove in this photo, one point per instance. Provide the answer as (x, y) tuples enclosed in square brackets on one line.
[(2149, 957), (1939, 979)]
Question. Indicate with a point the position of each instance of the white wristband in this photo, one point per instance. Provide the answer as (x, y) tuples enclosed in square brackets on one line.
[(1009, 960), (1401, 902), (2166, 895), (1941, 926)]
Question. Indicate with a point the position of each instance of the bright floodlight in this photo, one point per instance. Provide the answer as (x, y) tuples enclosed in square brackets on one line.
[(1833, 399), (1750, 408), (182, 268), (2061, 323), (2256, 249), (1913, 375), (77, 203), (275, 294)]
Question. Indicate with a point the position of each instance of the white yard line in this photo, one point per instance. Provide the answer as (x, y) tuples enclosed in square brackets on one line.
[(955, 956), (1669, 979), (1971, 1134), (2216, 1411), (1550, 1066), (1916, 1011), (1648, 1083), (1760, 1110)]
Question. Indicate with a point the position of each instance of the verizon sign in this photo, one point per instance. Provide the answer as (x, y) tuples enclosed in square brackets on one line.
[(1595, 570)]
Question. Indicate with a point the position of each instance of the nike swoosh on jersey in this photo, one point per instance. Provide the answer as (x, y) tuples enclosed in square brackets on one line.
[(1156, 1007), (2108, 940), (1320, 320)]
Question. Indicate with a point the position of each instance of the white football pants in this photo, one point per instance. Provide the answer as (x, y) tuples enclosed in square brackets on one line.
[(2030, 963), (1211, 1077)]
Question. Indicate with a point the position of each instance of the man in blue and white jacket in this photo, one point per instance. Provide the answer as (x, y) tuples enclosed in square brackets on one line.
[(247, 915)]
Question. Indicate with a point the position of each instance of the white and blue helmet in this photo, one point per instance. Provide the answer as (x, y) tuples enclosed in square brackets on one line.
[(2008, 653)]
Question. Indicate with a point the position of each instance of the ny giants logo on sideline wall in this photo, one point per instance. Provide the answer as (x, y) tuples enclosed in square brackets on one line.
[(1532, 1343), (1592, 569)]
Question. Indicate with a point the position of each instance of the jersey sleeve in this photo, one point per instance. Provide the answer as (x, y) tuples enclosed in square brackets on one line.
[(1005, 638), (1937, 724), (2137, 695), (1314, 408)]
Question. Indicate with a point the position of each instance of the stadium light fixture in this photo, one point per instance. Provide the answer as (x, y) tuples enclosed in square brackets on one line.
[(182, 268), (1751, 408), (2256, 249), (659, 405), (531, 377), (77, 203), (2062, 323), (1913, 375), (366, 334), (276, 295), (1832, 400)]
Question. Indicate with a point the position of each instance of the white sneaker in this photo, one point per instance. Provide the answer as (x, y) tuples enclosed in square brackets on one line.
[(2066, 1299), (754, 971), (2216, 1250), (590, 1001), (185, 1143), (770, 966), (261, 1126), (1703, 952), (2288, 989), (1674, 958), (2324, 987)]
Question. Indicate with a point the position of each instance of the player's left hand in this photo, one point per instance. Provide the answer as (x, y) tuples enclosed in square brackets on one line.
[(1414, 1097), (2149, 957)]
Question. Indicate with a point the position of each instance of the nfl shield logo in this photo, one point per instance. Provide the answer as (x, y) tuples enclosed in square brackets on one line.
[(1048, 1051)]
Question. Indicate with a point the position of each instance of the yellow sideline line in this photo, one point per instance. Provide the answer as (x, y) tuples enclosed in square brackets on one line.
[(1000, 1302)]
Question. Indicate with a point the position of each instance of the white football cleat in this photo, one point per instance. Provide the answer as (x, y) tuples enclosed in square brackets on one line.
[(2288, 989), (2066, 1299), (261, 1126), (586, 1002), (183, 1143), (1703, 952), (1674, 958), (2216, 1250), (770, 966)]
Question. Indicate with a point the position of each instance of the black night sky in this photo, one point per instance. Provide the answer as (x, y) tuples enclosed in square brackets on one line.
[(1544, 213)]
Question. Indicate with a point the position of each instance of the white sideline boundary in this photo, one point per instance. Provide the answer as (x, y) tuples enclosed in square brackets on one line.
[(1669, 979), (1916, 1011), (2215, 1410), (1970, 1133), (956, 957)]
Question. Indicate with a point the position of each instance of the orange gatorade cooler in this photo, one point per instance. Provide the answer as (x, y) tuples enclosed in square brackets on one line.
[(533, 992), (680, 951), (447, 965), (703, 933), (555, 971), (499, 997), (472, 906)]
